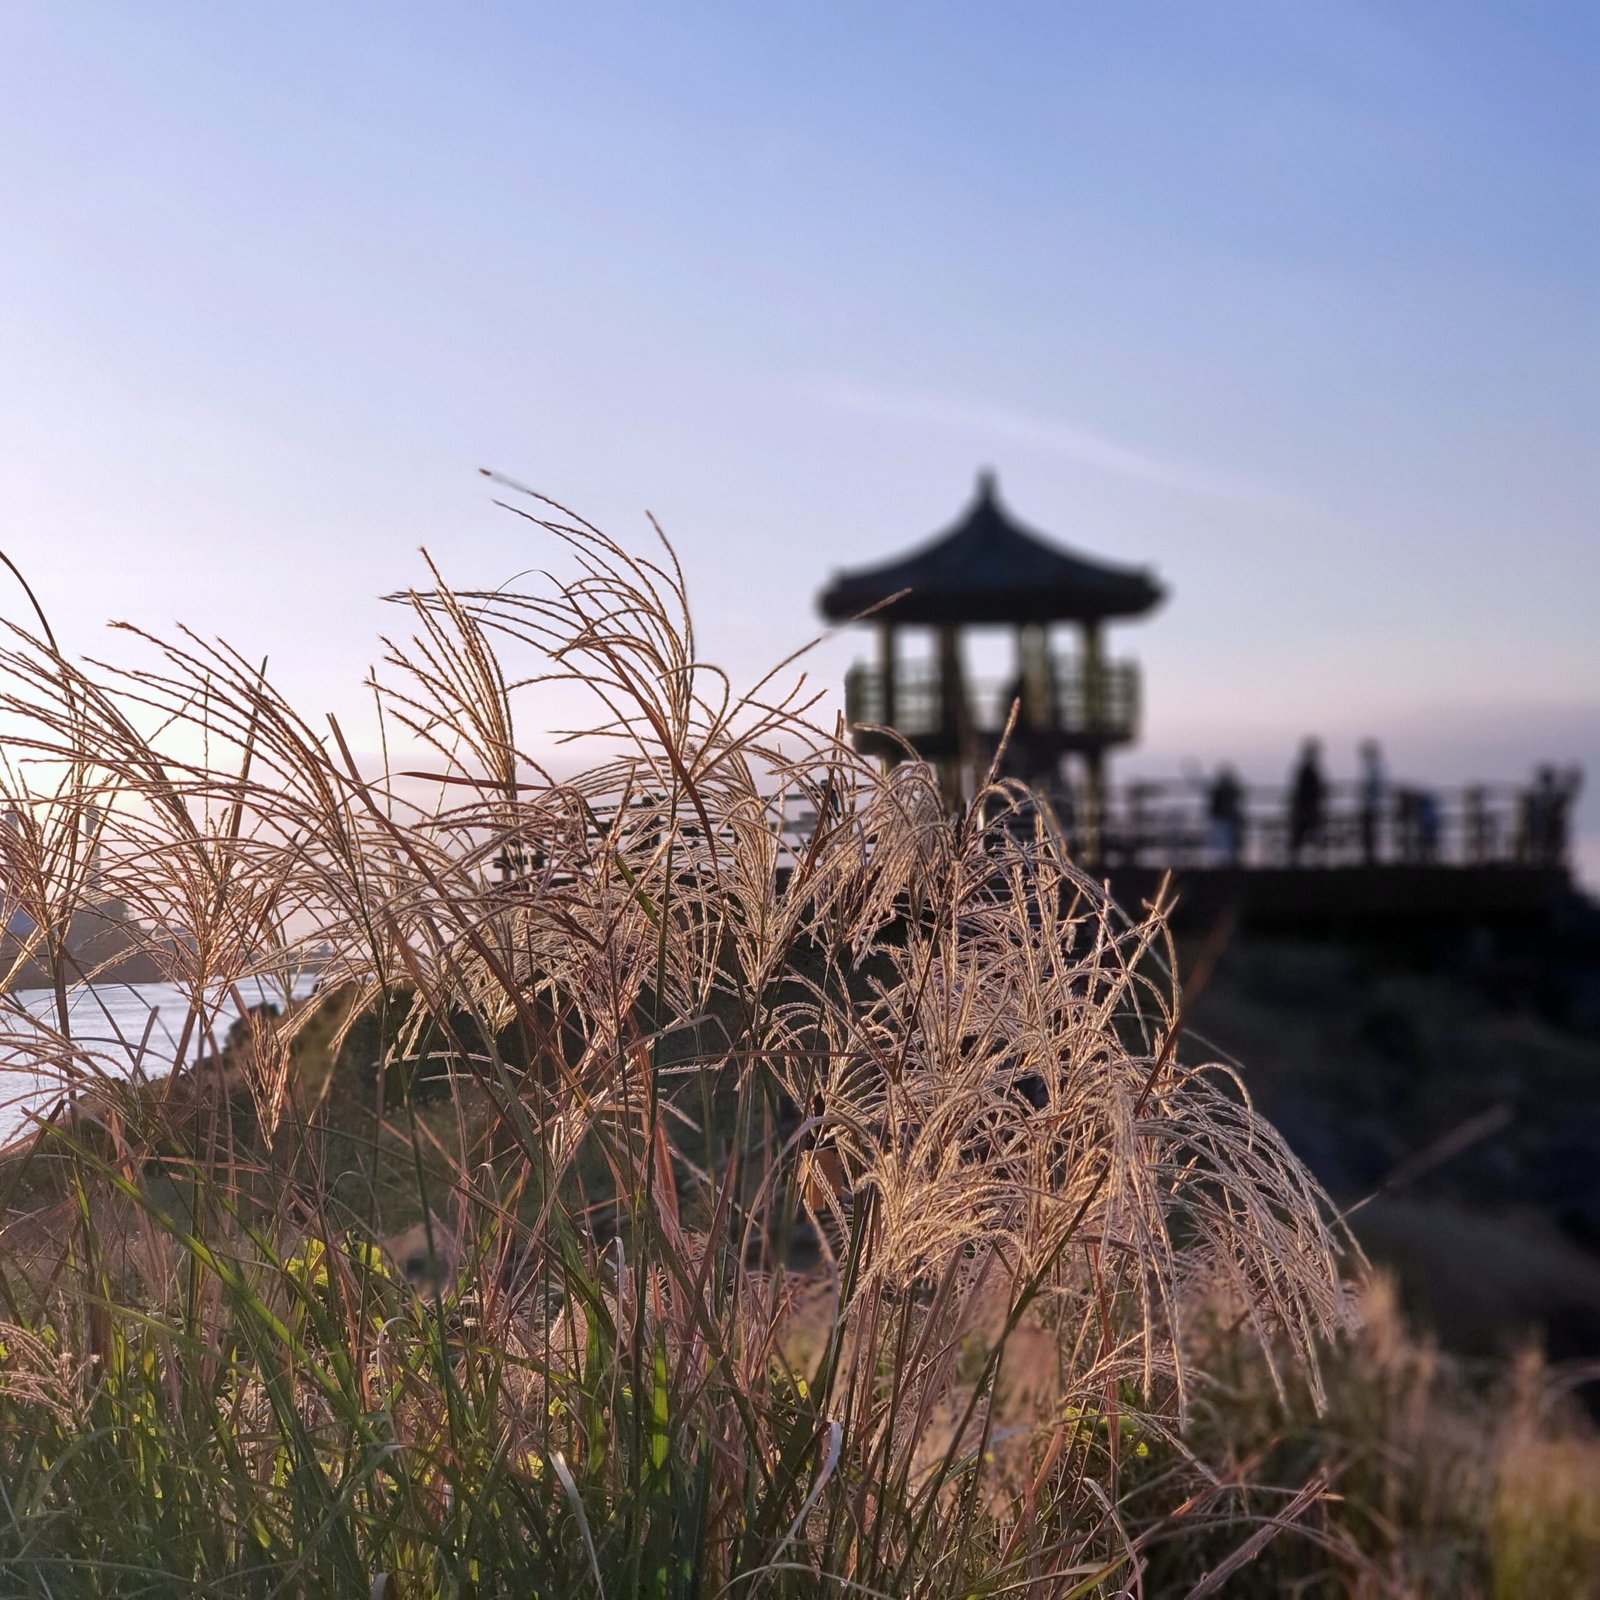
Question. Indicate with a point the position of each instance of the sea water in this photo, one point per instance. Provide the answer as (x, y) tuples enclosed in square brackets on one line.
[(122, 1028)]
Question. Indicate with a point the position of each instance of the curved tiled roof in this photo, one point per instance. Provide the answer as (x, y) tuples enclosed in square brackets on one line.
[(990, 568)]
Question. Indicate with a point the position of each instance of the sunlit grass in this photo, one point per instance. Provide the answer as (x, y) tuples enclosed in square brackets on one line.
[(832, 1217)]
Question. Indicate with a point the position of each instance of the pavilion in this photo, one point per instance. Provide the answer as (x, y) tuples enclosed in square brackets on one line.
[(990, 570), (1483, 862)]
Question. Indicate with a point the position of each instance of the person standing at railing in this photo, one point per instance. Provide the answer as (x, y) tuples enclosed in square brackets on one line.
[(1477, 826), (1427, 804), (1308, 802), (1225, 812), (1371, 790), (1531, 808), (1546, 810), (1417, 826), (1571, 784), (1140, 830), (1407, 841)]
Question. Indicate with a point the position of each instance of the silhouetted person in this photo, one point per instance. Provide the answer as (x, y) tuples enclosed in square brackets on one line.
[(1534, 841), (1140, 831), (1546, 815), (1417, 826), (1405, 825), (1369, 814), (1225, 811), (1478, 826), (1427, 806), (1308, 801), (1571, 784)]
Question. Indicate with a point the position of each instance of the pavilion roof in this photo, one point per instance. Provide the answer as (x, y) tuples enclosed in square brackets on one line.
[(991, 568)]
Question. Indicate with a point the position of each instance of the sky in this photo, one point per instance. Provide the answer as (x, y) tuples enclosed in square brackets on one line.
[(1298, 304)]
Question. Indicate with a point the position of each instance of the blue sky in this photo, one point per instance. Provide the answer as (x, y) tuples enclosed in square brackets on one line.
[(1296, 303)]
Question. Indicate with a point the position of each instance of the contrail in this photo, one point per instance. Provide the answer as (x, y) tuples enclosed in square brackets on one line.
[(1058, 436)]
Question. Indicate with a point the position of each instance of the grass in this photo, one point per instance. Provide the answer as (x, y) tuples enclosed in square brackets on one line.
[(854, 1228)]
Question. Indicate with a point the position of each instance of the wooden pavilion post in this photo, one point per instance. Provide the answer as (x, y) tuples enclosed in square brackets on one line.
[(954, 721), (1094, 758), (888, 677), (1036, 751), (1033, 676)]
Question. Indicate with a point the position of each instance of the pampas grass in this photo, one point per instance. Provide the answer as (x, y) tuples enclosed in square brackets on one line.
[(817, 1215)]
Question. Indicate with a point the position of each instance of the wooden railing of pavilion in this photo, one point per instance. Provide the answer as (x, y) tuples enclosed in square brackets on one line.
[(1102, 705)]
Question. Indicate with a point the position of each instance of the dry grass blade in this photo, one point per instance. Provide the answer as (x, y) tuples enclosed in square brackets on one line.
[(1259, 1540)]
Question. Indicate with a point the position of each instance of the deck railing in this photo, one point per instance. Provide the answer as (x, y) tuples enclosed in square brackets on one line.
[(1103, 704), (1169, 823)]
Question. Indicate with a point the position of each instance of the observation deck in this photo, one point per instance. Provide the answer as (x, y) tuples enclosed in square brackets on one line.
[(1078, 706)]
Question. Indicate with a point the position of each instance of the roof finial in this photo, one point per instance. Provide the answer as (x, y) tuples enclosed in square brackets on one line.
[(988, 485)]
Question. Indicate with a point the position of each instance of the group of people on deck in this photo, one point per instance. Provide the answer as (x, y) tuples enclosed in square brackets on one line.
[(1416, 811), (1392, 822)]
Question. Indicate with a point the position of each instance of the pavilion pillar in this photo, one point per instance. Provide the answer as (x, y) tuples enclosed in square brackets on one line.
[(1094, 678), (1035, 750), (953, 719), (1094, 757), (1033, 678), (889, 676)]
